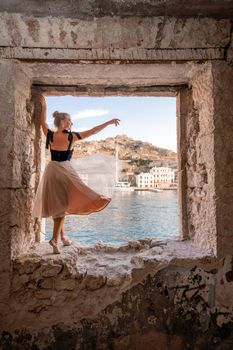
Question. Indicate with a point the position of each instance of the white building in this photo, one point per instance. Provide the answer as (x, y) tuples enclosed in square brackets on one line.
[(163, 174), (157, 175), (145, 180)]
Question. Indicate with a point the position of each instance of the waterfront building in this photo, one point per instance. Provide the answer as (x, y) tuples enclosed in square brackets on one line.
[(145, 180), (157, 175), (163, 174)]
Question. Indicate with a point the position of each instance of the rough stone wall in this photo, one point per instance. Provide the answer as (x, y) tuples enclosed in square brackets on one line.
[(130, 8), (149, 295), (16, 170), (162, 299), (113, 38), (200, 165), (223, 153), (208, 161)]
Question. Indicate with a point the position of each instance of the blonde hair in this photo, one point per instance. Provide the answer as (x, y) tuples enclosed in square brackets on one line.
[(58, 117)]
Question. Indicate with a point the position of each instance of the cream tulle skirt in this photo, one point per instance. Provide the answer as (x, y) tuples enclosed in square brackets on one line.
[(77, 186)]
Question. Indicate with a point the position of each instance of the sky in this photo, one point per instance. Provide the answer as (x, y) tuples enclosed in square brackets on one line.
[(146, 118)]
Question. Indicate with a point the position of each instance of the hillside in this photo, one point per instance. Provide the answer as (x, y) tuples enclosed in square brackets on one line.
[(137, 155)]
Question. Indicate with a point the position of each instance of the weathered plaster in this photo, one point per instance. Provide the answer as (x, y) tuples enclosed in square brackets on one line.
[(126, 8), (155, 32), (85, 279), (200, 161), (113, 38), (146, 294), (223, 153)]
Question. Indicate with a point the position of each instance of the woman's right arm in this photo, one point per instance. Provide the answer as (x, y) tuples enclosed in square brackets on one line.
[(98, 128)]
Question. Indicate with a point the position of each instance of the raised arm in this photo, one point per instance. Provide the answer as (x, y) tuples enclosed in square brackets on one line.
[(44, 125), (98, 128)]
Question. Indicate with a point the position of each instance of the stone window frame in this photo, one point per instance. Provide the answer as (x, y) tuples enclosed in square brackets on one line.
[(122, 90)]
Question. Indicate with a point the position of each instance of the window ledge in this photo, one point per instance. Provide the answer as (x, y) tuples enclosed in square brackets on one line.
[(85, 279), (113, 260)]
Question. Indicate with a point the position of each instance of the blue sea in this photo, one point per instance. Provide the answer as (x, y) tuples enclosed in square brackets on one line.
[(130, 215)]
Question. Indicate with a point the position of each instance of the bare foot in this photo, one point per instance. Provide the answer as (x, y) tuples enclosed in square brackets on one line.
[(53, 243), (66, 241)]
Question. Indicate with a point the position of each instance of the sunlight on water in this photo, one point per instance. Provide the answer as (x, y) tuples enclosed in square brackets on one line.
[(130, 215)]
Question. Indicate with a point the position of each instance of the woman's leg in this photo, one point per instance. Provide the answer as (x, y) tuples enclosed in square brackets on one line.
[(63, 235), (64, 238), (58, 223)]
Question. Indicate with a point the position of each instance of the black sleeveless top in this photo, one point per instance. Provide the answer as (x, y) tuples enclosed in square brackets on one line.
[(61, 156)]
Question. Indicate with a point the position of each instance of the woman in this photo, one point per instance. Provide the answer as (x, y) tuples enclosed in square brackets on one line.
[(61, 191)]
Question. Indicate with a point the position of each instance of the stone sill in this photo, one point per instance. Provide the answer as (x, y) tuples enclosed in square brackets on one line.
[(112, 264), (83, 280)]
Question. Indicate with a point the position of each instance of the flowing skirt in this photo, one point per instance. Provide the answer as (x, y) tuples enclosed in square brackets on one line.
[(77, 186)]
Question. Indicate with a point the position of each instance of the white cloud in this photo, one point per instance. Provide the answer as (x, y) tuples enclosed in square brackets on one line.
[(89, 113)]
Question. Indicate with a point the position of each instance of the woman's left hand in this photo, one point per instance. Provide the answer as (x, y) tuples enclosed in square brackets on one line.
[(42, 100), (115, 121)]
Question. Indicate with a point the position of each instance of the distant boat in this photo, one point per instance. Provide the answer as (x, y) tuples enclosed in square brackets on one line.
[(149, 189), (121, 185)]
